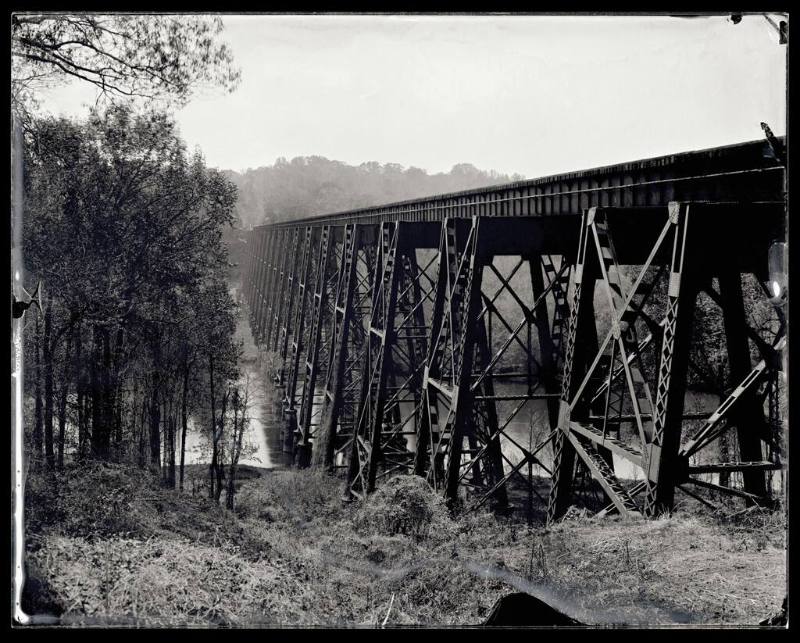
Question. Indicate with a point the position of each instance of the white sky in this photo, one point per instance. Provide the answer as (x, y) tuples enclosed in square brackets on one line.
[(529, 94)]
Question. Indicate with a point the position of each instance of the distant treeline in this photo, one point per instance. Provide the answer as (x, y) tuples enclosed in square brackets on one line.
[(309, 185)]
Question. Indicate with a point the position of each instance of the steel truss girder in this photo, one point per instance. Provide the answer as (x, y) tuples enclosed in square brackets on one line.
[(341, 333), (659, 421), (291, 332), (270, 281), (264, 287), (597, 261), (285, 299), (312, 365), (277, 260), (393, 356), (463, 448), (381, 335), (256, 299)]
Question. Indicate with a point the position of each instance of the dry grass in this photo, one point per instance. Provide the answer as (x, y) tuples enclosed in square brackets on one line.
[(293, 554)]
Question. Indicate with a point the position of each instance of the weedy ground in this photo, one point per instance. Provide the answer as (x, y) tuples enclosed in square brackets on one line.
[(107, 546)]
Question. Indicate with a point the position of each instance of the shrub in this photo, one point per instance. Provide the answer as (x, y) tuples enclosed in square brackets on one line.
[(404, 505), (94, 498)]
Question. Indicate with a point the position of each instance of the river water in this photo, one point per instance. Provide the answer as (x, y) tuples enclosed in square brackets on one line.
[(262, 440)]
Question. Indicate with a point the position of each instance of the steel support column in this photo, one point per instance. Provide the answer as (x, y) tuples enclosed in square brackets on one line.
[(747, 417), (575, 356), (664, 470), (342, 320), (318, 310)]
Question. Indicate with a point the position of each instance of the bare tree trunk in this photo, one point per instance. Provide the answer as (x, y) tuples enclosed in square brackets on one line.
[(213, 428), (219, 464), (143, 425), (162, 469), (171, 444), (116, 412), (115, 391), (100, 430), (88, 412), (37, 427), (184, 419), (79, 388), (238, 436), (172, 435), (155, 429), (134, 408), (62, 406), (48, 387), (231, 490), (108, 396), (155, 409)]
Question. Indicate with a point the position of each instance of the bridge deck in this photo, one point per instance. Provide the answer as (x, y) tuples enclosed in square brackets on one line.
[(744, 173)]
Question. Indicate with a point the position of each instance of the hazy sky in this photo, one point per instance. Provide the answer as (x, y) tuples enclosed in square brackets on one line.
[(529, 94)]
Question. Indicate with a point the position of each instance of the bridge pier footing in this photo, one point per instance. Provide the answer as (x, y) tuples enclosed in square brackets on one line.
[(303, 456), (288, 429)]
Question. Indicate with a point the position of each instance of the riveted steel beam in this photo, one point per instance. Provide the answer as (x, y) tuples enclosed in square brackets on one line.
[(312, 365), (342, 319)]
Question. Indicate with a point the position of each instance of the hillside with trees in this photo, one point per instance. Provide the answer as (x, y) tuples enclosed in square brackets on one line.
[(312, 185)]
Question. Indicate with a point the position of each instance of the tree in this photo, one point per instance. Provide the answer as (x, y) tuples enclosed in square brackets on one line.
[(237, 444), (125, 228), (154, 57)]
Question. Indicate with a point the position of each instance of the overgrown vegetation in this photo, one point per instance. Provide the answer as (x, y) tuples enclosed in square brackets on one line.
[(293, 554)]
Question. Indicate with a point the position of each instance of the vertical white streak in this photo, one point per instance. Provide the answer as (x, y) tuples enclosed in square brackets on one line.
[(18, 379)]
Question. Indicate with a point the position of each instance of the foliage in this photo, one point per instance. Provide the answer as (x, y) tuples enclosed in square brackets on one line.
[(124, 228), (93, 499), (309, 565), (117, 202), (123, 56), (404, 505), (154, 581)]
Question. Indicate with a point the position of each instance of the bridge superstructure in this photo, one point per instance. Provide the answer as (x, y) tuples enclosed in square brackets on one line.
[(418, 337)]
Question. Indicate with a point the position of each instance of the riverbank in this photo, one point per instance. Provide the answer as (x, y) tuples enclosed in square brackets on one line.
[(107, 546)]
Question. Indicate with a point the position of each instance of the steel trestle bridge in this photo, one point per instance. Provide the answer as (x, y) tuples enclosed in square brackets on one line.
[(418, 337)]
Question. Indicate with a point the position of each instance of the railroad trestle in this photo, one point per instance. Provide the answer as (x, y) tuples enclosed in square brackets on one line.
[(539, 339)]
